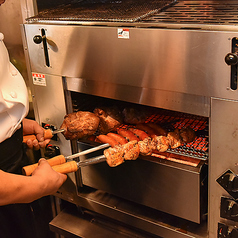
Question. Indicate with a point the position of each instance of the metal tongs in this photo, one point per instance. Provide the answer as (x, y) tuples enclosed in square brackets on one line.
[(59, 163)]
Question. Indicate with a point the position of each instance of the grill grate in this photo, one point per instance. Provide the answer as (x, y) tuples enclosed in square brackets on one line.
[(196, 149), (103, 10), (199, 12)]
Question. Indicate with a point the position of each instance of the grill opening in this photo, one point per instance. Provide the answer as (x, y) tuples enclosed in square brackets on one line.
[(167, 119)]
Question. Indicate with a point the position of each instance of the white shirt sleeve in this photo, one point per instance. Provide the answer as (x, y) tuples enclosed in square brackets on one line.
[(14, 104)]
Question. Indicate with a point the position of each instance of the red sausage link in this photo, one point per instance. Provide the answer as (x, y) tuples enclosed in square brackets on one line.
[(158, 129), (120, 139), (129, 135), (144, 127), (141, 134), (106, 139)]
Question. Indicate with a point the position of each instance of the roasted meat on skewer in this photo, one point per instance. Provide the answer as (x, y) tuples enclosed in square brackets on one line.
[(79, 124), (161, 143), (114, 156), (146, 146), (131, 150), (117, 154)]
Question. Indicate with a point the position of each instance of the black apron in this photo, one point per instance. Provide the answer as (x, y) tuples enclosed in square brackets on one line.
[(16, 220)]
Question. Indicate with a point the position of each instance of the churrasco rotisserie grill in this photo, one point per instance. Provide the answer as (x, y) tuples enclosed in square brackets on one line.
[(177, 58)]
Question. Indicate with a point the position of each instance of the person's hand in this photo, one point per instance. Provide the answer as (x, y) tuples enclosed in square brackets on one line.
[(50, 181), (31, 127)]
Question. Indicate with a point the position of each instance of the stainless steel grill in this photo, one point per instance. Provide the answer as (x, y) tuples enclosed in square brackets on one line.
[(104, 10), (198, 12), (166, 55)]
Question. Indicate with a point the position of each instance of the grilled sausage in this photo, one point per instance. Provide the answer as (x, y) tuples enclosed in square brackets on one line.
[(120, 139), (127, 134), (106, 139), (139, 133), (158, 129), (144, 127)]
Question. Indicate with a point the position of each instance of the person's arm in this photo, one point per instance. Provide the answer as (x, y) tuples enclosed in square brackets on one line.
[(24, 189), (31, 127)]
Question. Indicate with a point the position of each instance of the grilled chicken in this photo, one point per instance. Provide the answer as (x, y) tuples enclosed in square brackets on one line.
[(114, 156), (146, 146), (131, 150), (161, 143), (117, 154)]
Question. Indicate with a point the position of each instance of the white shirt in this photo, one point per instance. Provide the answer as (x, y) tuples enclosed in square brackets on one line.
[(14, 104)]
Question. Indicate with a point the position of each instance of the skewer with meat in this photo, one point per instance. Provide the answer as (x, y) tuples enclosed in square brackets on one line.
[(160, 143), (79, 124), (117, 154), (114, 156), (131, 150), (146, 146)]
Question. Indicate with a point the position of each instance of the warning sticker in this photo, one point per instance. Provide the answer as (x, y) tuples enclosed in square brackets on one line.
[(39, 79), (123, 33)]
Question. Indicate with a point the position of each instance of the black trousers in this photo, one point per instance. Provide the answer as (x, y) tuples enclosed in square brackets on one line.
[(18, 220)]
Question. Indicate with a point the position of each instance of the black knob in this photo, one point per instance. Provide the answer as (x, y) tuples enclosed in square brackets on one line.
[(231, 59), (37, 39)]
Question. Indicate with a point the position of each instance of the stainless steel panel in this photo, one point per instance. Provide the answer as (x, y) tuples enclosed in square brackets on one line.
[(193, 104), (177, 61), (49, 100), (223, 155), (131, 214), (154, 183), (71, 223)]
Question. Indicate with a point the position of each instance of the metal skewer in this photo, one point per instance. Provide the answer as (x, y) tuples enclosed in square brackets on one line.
[(70, 157), (60, 159)]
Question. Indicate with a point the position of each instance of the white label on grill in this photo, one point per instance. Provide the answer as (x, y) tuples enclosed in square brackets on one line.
[(123, 33), (38, 79)]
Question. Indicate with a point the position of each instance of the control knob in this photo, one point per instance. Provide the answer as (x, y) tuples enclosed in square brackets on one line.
[(231, 58), (229, 181), (37, 39), (229, 209)]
